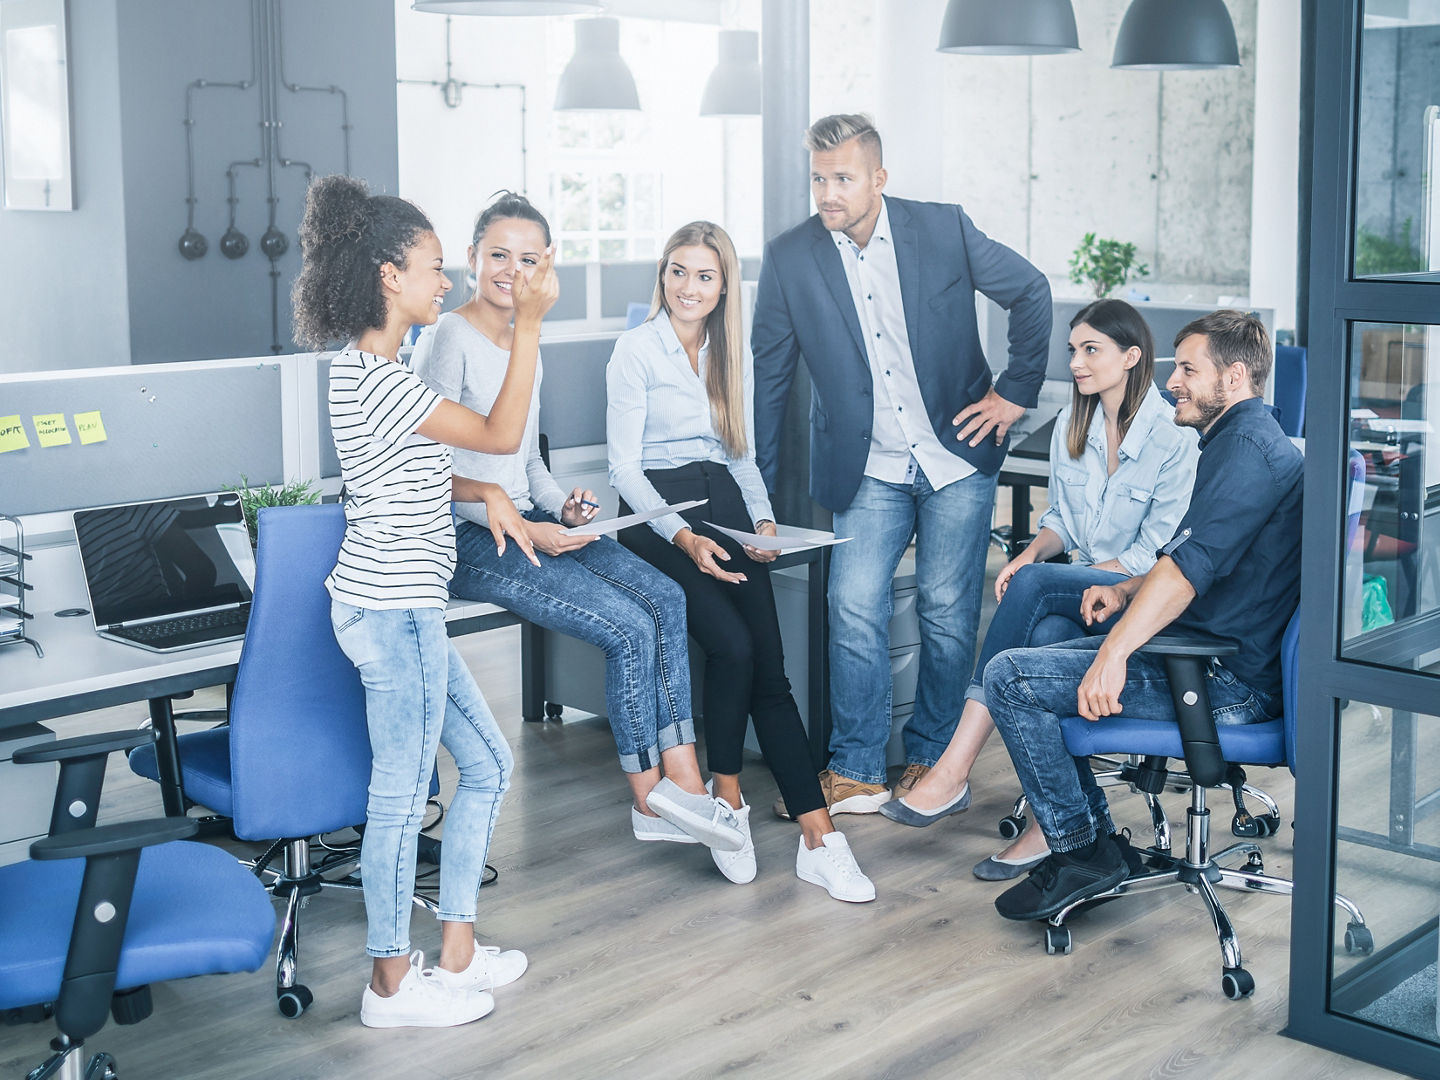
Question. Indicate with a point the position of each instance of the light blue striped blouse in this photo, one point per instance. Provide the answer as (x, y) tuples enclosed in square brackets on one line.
[(658, 417)]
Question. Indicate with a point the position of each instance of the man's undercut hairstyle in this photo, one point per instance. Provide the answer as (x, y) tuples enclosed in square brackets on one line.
[(1234, 337), (831, 132)]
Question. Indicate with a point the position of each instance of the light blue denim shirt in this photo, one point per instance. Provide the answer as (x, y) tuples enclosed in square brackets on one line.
[(1129, 515), (658, 417)]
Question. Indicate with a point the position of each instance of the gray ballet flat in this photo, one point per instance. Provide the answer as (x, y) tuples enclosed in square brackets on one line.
[(901, 811), (998, 869)]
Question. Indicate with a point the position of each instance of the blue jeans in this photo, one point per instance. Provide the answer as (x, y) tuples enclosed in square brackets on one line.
[(1030, 690), (1041, 606), (604, 595), (418, 695), (952, 531)]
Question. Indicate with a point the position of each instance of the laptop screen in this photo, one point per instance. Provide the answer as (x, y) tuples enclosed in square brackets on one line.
[(171, 557)]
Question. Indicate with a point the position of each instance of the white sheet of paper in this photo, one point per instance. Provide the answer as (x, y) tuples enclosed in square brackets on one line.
[(790, 538), (610, 525)]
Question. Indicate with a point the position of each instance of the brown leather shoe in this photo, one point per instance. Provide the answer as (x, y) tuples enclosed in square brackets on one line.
[(845, 796), (906, 783)]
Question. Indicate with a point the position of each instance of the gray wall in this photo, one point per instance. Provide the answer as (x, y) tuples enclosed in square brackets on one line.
[(65, 300), (214, 306)]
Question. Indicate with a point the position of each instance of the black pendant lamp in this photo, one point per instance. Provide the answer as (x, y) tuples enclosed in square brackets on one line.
[(733, 88), (1176, 35), (1009, 27)]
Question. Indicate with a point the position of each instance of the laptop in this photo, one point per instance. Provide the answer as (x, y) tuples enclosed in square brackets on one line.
[(168, 575)]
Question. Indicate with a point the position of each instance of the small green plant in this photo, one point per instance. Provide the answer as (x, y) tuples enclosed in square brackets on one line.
[(1104, 265), (1376, 255), (295, 493)]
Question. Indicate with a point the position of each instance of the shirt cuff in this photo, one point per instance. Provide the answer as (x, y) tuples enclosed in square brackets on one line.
[(1192, 560)]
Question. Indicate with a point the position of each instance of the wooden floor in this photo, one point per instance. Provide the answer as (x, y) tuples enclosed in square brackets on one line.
[(645, 962)]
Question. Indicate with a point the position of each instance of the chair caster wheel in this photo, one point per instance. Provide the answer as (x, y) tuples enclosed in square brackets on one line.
[(1237, 983), (1255, 863), (1057, 940), (294, 1001), (1012, 826), (553, 711), (1358, 939), (101, 1067)]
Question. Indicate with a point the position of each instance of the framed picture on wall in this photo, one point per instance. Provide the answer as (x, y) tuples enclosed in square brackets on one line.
[(35, 106)]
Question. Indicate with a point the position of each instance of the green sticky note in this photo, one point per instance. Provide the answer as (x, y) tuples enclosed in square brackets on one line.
[(12, 434), (90, 427), (50, 429)]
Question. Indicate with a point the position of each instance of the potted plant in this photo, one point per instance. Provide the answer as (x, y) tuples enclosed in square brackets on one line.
[(294, 493), (1104, 265)]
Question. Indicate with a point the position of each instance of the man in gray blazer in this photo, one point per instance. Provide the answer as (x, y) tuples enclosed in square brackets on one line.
[(906, 430)]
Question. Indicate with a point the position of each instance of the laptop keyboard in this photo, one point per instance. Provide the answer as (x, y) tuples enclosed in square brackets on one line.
[(187, 629)]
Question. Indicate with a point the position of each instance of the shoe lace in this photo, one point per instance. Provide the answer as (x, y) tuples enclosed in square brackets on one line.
[(843, 860), (1045, 873)]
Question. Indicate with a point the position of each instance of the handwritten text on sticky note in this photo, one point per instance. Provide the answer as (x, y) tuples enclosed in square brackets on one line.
[(90, 427), (50, 429), (12, 434)]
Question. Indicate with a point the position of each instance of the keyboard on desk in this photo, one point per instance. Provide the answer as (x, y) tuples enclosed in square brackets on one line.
[(186, 631)]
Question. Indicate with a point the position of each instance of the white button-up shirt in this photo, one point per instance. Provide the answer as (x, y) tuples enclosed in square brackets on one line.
[(901, 438)]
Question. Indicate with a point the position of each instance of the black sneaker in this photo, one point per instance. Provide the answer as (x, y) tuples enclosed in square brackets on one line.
[(1062, 879), (1133, 856)]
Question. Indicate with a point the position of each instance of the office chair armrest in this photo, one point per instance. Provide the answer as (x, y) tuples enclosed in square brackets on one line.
[(124, 836), (82, 774), (102, 911), (1191, 696), (84, 746), (1188, 645)]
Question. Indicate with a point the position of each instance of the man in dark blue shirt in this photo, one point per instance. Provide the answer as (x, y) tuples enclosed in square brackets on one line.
[(1229, 572)]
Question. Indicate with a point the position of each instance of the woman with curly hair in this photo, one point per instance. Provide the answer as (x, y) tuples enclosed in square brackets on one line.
[(371, 268), (586, 586)]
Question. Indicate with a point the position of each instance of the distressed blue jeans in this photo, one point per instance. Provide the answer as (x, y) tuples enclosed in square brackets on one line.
[(951, 528), (1029, 691), (419, 695), (607, 596)]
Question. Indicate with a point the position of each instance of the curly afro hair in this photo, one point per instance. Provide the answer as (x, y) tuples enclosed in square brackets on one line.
[(346, 235)]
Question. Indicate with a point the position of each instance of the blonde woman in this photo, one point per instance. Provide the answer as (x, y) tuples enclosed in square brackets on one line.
[(680, 389)]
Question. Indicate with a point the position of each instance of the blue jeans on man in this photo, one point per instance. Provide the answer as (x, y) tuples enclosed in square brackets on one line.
[(951, 528), (1030, 690)]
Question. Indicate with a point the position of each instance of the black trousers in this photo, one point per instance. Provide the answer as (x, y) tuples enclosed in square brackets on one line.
[(737, 628)]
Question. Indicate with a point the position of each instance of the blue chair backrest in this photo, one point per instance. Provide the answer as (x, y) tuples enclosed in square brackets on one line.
[(636, 313), (1291, 379), (299, 748)]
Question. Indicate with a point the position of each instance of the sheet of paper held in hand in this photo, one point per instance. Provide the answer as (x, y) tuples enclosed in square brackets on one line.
[(610, 525), (790, 538)]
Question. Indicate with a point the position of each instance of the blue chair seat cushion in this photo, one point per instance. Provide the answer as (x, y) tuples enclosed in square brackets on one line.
[(196, 911), (1244, 744), (204, 763)]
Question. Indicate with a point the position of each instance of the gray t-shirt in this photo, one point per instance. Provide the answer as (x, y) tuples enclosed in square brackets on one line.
[(462, 364)]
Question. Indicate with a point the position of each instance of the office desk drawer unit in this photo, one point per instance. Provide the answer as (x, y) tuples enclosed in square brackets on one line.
[(29, 791)]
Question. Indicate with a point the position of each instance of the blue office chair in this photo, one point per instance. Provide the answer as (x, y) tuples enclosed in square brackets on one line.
[(1213, 755), (294, 761), (1291, 380), (97, 914)]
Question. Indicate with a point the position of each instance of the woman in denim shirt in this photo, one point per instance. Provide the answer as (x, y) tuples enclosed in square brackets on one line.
[(1120, 480)]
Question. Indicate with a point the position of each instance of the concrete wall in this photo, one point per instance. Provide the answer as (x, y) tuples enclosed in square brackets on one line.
[(214, 306), (1041, 150), (65, 302)]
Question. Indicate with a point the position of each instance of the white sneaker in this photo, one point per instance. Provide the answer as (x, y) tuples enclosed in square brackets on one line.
[(704, 817), (646, 827), (489, 968), (738, 866), (423, 1001), (832, 866)]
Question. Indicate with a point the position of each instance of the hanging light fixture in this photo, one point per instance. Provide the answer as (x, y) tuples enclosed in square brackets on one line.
[(510, 7), (1011, 28), (1176, 35), (596, 77), (733, 88)]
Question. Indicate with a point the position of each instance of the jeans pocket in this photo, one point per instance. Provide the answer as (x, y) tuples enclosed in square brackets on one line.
[(348, 620)]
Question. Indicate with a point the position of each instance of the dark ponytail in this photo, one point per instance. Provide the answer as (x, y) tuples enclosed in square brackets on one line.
[(346, 235), (507, 204)]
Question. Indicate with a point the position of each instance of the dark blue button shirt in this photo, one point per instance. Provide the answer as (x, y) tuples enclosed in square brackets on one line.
[(1239, 543)]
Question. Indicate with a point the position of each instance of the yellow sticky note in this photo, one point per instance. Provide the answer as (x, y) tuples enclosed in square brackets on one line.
[(90, 427), (50, 429), (12, 434)]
